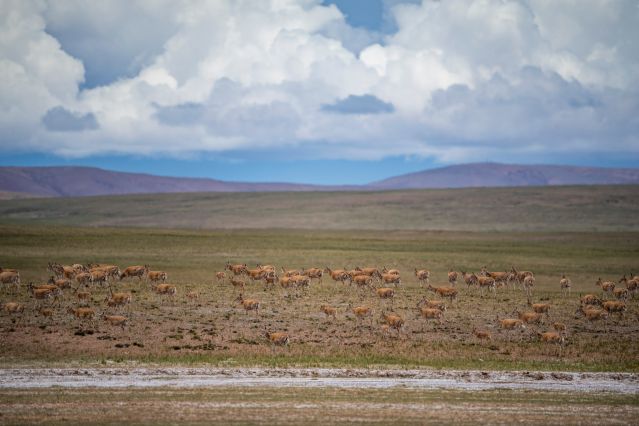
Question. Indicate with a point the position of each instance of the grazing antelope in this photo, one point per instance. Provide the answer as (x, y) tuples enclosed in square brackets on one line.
[(391, 279), (236, 282), (134, 271), (565, 285), (482, 334), (433, 304), (394, 321), (157, 276), (448, 292), (592, 313), (236, 269), (423, 275), (540, 308), (10, 277), (221, 276), (590, 299), (277, 338), (249, 304), (337, 275), (329, 311), (116, 320), (82, 314), (452, 277)]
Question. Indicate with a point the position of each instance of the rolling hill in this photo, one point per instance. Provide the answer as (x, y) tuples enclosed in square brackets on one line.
[(88, 181)]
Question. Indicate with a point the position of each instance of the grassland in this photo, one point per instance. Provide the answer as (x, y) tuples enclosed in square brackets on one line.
[(310, 406), (214, 329), (533, 209)]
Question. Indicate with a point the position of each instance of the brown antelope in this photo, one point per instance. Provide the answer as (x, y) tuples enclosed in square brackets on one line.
[(255, 274), (270, 279), (301, 281), (394, 321), (362, 312), (371, 272), (116, 320), (118, 300), (192, 295), (287, 281), (83, 279), (423, 276), (529, 317), (47, 313), (10, 277), (329, 311), (540, 308), (606, 286), (433, 304), (44, 294), (278, 338), (61, 271), (290, 272), (98, 276), (386, 293), (236, 282), (156, 277), (112, 271), (362, 280), (510, 324), (521, 275), (552, 337), (560, 327), (62, 283), (267, 268), (615, 306), (529, 283), (249, 304), (447, 292), (221, 276), (236, 269), (390, 271), (83, 314), (620, 293), (565, 285), (485, 283), (391, 279), (482, 334), (591, 313), (165, 290), (314, 274), (469, 279), (430, 314), (337, 275), (452, 277), (632, 284), (590, 299), (134, 271), (84, 297), (13, 308)]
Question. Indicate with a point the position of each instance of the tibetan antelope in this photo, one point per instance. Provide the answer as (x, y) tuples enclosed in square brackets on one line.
[(565, 285)]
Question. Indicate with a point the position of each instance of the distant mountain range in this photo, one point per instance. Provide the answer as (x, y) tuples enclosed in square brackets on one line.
[(87, 181)]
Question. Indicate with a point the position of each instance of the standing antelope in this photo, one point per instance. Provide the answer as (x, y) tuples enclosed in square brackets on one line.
[(452, 277), (423, 275), (448, 292), (394, 321), (277, 338), (469, 279), (529, 282), (606, 286), (329, 311), (565, 285), (221, 276), (386, 293), (249, 304), (116, 320)]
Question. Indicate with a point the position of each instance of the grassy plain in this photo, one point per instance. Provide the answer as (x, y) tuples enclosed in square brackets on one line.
[(311, 406)]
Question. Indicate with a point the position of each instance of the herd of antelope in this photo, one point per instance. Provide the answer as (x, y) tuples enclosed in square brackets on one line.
[(383, 284)]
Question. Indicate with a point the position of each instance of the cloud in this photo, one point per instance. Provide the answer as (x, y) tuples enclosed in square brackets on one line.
[(59, 119), (455, 80), (365, 104)]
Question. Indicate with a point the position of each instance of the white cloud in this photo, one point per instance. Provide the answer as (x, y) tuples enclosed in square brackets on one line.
[(463, 80)]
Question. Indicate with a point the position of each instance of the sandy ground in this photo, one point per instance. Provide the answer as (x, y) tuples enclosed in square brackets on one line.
[(24, 378)]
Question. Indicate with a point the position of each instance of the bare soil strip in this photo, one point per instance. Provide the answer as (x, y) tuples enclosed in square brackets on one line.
[(179, 377)]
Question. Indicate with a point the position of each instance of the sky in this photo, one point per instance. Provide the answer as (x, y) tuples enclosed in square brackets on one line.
[(317, 91)]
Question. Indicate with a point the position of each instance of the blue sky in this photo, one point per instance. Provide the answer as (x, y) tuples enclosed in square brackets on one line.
[(317, 91)]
